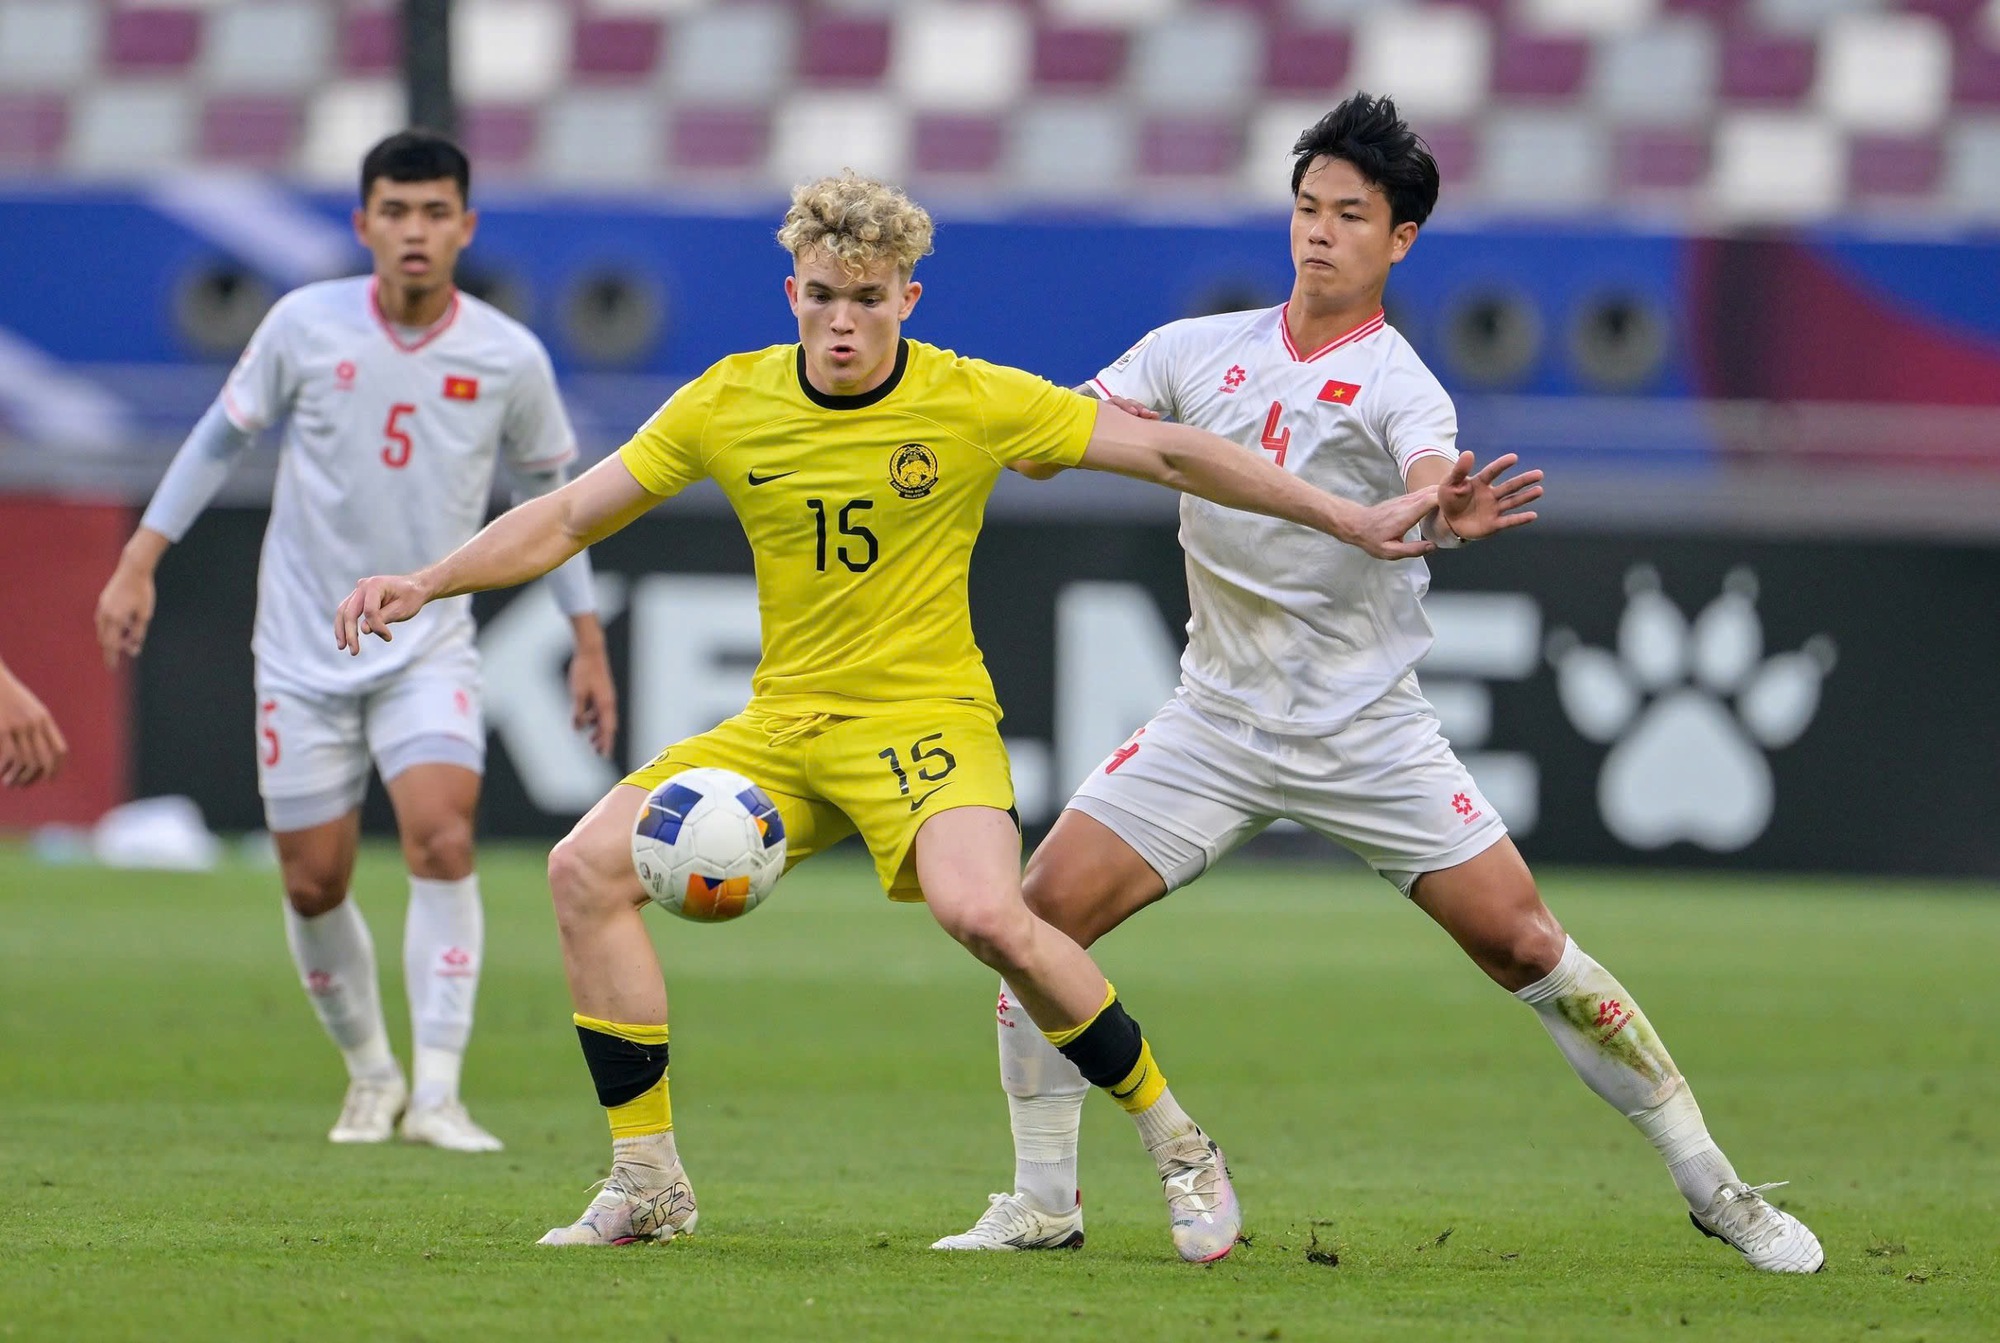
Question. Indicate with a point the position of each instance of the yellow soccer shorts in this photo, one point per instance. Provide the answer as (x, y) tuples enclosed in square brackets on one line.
[(831, 776)]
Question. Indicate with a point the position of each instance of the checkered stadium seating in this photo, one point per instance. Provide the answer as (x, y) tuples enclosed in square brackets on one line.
[(1728, 110)]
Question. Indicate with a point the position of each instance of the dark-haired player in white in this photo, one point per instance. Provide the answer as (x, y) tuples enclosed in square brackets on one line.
[(1299, 698), (400, 397)]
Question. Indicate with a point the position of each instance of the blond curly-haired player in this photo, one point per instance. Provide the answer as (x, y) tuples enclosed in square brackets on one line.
[(858, 462)]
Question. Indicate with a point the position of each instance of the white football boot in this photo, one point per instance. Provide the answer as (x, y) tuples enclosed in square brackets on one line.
[(1770, 1238), (1012, 1222), (370, 1111), (646, 1197), (1200, 1200), (448, 1126)]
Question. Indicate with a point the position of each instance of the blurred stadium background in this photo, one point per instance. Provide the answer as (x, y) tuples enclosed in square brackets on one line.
[(1728, 269)]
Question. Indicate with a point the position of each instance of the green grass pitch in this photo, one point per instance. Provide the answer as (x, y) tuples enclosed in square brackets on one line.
[(164, 1094)]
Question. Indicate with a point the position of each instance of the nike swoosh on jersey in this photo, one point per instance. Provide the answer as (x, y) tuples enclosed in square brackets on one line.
[(918, 802), (756, 479)]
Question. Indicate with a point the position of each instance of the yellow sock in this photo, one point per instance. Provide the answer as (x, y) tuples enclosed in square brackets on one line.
[(1070, 1034), (1141, 1087), (649, 1114), (1111, 1052), (628, 1063)]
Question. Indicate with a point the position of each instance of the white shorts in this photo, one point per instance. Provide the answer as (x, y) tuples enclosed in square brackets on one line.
[(1191, 785), (314, 748)]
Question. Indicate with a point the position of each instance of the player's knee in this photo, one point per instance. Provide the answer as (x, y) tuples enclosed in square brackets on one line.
[(1073, 907), (579, 881), (1532, 947), (441, 851), (996, 931), (313, 892)]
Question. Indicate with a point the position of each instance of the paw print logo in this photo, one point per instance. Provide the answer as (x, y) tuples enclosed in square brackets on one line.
[(1234, 378), (1689, 711)]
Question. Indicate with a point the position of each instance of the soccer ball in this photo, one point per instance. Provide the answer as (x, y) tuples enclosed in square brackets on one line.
[(709, 845)]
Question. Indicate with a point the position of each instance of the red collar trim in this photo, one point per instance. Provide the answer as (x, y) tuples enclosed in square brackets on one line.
[(1367, 328), (395, 337)]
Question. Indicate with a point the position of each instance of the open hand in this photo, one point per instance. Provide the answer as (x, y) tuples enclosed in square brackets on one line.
[(374, 605), (1474, 506)]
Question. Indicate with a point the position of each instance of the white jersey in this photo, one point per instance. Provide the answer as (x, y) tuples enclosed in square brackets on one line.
[(390, 445), (1293, 631)]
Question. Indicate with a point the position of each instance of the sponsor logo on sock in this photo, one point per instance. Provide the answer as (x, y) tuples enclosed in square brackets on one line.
[(456, 963), (1612, 1017), (1000, 1011), (321, 981)]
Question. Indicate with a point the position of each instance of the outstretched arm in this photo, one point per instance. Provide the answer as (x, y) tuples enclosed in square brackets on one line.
[(1197, 462), (520, 545), (1474, 505), (1049, 470)]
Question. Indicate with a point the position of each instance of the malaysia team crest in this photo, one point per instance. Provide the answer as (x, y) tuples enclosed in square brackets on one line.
[(913, 470)]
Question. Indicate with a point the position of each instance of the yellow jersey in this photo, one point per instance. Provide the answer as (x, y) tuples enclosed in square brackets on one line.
[(861, 511)]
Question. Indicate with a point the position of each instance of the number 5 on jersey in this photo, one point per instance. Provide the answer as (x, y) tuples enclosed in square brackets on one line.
[(396, 452)]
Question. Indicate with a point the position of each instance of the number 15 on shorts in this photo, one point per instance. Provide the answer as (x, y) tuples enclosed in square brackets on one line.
[(930, 761)]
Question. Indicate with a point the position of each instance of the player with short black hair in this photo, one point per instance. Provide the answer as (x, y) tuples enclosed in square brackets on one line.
[(1299, 697), (400, 397), (1368, 134), (859, 463), (417, 155)]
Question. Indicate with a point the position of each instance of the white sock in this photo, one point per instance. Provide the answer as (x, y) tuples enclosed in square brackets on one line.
[(1677, 1131), (1045, 1106), (1163, 1121), (336, 961), (1616, 1052), (443, 940), (654, 1151)]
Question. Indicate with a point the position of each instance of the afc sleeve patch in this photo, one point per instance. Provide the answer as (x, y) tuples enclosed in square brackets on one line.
[(1124, 360)]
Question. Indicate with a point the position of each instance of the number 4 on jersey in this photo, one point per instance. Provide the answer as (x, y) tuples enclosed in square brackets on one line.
[(1274, 442)]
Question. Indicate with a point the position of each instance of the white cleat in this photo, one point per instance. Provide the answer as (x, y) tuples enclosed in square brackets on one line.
[(644, 1198), (1200, 1199), (1012, 1222), (369, 1113), (1770, 1238), (447, 1126)]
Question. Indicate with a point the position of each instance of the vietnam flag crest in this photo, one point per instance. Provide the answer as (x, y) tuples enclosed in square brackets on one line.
[(461, 389), (1340, 393)]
